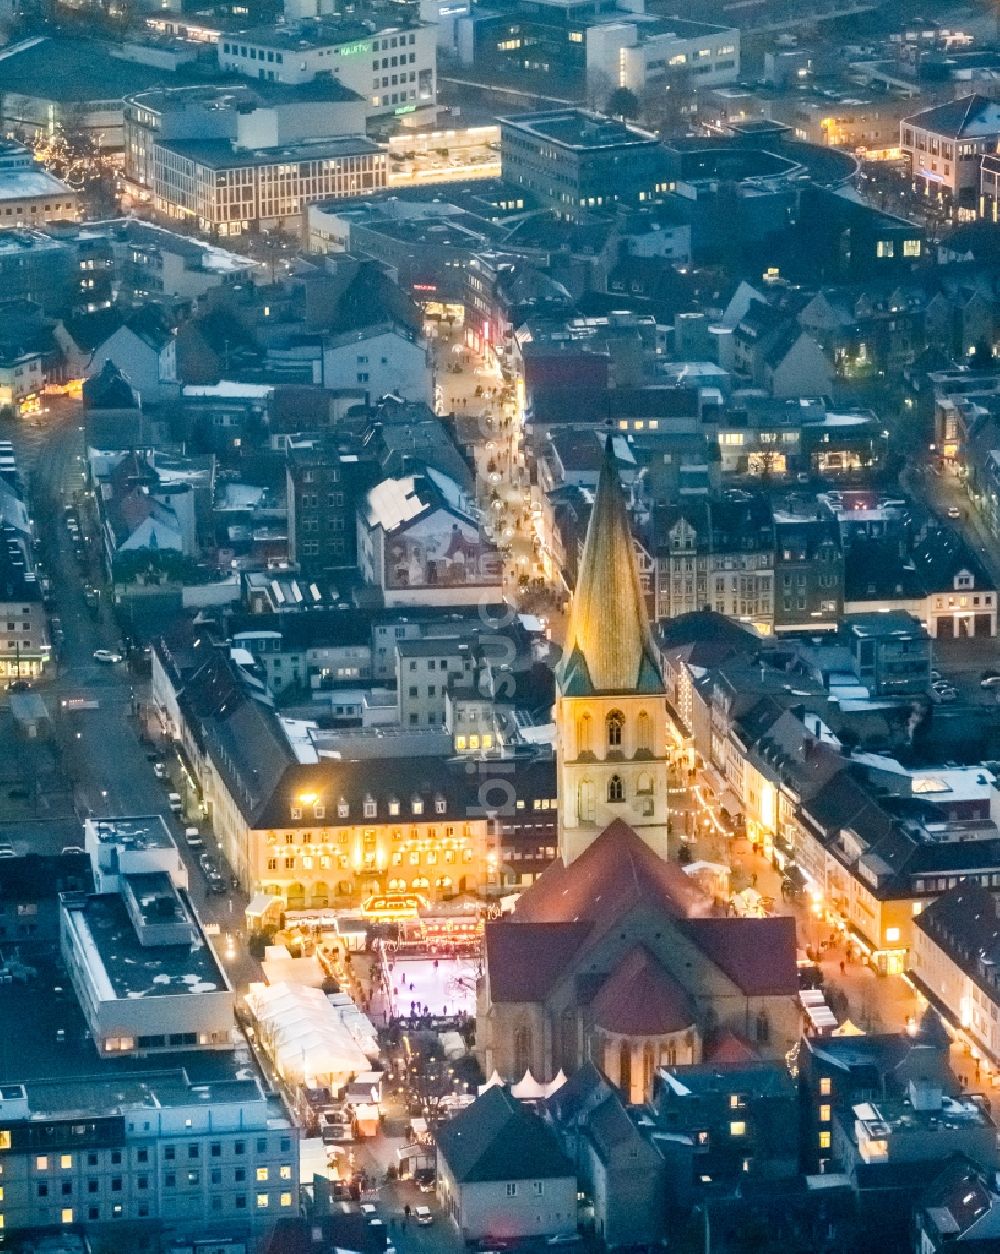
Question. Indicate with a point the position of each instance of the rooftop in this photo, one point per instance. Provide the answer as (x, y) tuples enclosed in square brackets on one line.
[(576, 128), (321, 32), (122, 966), (147, 831), (220, 154), (67, 68)]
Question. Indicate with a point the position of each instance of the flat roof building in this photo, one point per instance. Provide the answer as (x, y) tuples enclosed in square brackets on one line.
[(143, 970), (573, 160)]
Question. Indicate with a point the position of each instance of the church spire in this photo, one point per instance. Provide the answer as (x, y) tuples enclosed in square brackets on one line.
[(608, 646)]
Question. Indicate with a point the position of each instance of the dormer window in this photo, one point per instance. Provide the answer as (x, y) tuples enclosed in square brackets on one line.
[(296, 812), (440, 805), (417, 805), (371, 808), (319, 811), (343, 809), (394, 806)]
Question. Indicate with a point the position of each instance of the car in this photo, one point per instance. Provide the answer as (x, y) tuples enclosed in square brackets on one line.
[(423, 1215), (106, 656), (424, 1178), (193, 838), (368, 1209), (945, 694), (174, 802), (159, 770), (991, 681), (989, 673), (954, 511), (216, 884), (209, 865), (564, 1238), (19, 685)]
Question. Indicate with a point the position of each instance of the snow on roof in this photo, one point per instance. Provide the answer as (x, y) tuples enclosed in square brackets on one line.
[(394, 502), (19, 183), (230, 388), (300, 741)]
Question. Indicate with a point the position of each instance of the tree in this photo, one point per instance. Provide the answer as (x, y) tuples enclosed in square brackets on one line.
[(623, 103)]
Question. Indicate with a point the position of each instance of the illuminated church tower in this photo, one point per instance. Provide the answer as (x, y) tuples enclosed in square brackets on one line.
[(610, 711)]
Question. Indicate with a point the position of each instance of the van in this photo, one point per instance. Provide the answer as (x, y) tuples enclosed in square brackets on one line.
[(174, 801), (193, 838)]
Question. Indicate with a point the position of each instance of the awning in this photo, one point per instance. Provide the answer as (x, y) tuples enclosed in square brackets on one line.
[(260, 904)]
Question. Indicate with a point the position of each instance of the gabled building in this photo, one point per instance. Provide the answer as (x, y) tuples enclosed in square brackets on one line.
[(617, 958), (501, 1171), (945, 146)]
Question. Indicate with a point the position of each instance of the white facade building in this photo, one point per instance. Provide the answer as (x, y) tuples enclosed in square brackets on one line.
[(645, 53), (394, 68)]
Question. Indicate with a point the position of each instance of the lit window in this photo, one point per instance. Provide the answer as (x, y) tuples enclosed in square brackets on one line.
[(262, 1201), (824, 1140), (41, 1163), (262, 1173), (67, 1214), (4, 1139), (824, 1113), (825, 1086), (286, 1199), (738, 1128), (459, 743), (285, 1171), (892, 934), (735, 1101), (911, 248), (66, 1161)]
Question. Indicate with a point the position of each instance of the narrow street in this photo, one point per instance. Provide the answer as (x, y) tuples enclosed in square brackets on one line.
[(102, 754)]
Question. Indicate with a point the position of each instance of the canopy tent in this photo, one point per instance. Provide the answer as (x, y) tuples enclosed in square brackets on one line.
[(847, 1028), (260, 905), (492, 1082), (528, 1089), (305, 1036)]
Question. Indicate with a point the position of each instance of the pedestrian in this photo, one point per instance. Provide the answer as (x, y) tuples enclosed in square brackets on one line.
[(843, 966), (406, 1213)]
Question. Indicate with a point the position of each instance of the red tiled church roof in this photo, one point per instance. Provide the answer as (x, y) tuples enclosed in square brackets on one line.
[(758, 955), (614, 873), (640, 998), (526, 959)]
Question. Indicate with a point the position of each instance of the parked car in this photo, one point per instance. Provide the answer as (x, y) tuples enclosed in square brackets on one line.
[(159, 770), (423, 1215), (193, 838), (954, 511), (174, 802), (991, 681), (425, 1179), (106, 656)]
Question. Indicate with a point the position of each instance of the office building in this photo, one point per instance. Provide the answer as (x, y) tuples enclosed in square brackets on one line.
[(391, 67), (573, 160)]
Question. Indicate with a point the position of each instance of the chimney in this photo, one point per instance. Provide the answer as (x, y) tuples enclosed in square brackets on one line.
[(925, 1095)]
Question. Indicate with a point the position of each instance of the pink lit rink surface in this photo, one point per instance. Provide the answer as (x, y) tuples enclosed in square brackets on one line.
[(449, 989)]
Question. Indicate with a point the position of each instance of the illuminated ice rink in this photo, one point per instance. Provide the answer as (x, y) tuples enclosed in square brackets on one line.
[(446, 989)]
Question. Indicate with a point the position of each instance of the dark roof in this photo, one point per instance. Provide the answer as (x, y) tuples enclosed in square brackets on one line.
[(69, 69), (526, 960), (498, 1138), (758, 955), (703, 626), (640, 998), (972, 116), (614, 872), (108, 389)]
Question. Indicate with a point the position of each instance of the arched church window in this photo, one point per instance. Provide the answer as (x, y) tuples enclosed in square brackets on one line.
[(643, 732), (616, 788), (616, 729), (625, 1070), (585, 801), (523, 1049), (583, 733)]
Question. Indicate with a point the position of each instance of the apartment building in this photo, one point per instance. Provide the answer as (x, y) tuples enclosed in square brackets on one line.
[(945, 146), (96, 1152), (391, 67)]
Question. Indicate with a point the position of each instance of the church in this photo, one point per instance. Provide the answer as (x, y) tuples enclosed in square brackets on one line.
[(614, 955)]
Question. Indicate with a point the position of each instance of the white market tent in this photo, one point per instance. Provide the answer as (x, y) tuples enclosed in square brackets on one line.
[(305, 1036)]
